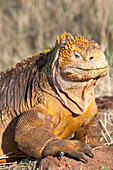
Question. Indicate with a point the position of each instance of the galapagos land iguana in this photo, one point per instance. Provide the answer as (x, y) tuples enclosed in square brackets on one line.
[(49, 96)]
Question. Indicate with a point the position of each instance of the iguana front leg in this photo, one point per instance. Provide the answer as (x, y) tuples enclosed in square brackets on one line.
[(32, 134), (36, 140)]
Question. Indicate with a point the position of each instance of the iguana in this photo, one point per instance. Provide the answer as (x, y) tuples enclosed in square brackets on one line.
[(49, 96)]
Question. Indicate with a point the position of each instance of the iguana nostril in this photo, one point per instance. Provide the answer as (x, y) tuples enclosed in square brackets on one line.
[(91, 58)]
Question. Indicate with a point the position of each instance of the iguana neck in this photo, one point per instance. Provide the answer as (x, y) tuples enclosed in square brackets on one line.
[(76, 95)]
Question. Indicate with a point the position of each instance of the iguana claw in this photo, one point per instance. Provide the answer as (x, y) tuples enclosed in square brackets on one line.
[(60, 155)]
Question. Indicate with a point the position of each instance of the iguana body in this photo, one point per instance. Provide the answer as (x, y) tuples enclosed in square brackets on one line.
[(49, 96)]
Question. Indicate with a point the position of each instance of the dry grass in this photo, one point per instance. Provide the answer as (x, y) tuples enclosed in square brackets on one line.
[(23, 165)]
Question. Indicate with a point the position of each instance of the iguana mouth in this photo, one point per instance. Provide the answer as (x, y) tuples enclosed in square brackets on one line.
[(87, 69), (79, 74)]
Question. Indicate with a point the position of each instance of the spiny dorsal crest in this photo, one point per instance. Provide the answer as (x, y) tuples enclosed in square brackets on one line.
[(64, 38)]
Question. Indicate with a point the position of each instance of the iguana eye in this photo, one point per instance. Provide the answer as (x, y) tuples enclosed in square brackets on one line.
[(76, 56), (91, 58)]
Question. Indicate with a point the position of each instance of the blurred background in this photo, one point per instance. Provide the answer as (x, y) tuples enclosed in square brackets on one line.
[(30, 26)]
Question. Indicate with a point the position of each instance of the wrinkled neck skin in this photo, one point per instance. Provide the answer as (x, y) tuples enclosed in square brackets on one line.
[(76, 95)]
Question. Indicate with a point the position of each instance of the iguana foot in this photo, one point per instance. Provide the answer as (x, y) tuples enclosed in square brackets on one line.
[(73, 148)]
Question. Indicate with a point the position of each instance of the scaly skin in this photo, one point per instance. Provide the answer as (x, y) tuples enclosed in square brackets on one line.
[(48, 97)]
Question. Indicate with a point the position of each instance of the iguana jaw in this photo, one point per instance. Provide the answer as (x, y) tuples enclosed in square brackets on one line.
[(84, 71)]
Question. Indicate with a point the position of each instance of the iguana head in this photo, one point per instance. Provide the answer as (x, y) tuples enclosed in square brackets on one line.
[(80, 59), (74, 66)]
